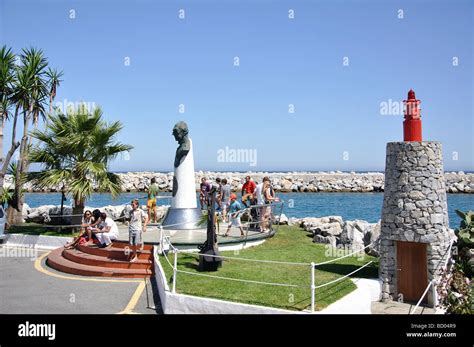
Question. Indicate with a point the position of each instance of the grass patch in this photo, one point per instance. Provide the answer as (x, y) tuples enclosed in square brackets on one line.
[(291, 244), (40, 229)]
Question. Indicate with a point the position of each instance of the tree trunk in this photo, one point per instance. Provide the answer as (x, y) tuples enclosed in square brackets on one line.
[(22, 164), (14, 146), (77, 212), (2, 126), (62, 206)]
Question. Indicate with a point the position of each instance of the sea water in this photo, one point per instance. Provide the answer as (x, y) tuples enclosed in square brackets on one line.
[(350, 206)]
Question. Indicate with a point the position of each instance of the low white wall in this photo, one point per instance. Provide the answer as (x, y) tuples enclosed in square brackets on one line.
[(186, 304), (35, 241)]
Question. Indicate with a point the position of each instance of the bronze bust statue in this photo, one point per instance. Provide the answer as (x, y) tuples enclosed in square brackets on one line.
[(180, 133)]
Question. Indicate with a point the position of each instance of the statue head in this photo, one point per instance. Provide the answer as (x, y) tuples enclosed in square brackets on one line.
[(180, 131)]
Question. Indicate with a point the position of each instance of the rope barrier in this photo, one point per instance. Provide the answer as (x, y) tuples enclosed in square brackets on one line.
[(241, 280), (342, 278), (346, 256), (248, 259), (61, 226), (413, 311), (169, 262)]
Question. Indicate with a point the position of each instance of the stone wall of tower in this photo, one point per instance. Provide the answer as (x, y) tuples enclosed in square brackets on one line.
[(414, 209)]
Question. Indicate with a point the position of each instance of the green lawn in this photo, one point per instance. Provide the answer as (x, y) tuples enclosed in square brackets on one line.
[(291, 244), (39, 229)]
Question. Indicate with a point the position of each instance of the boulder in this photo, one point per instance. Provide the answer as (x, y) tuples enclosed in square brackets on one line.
[(352, 234), (329, 229), (40, 214), (371, 238), (52, 213), (294, 221), (282, 219), (329, 240), (286, 185)]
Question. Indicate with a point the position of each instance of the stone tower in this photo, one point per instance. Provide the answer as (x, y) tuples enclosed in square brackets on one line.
[(415, 236)]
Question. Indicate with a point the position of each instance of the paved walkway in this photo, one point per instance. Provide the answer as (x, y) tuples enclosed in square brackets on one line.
[(399, 308), (359, 301), (28, 286)]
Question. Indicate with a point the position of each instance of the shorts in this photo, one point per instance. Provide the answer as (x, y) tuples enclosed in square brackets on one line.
[(246, 197), (235, 222), (135, 237), (151, 203)]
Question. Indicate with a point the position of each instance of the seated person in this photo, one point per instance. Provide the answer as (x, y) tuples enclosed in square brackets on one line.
[(87, 221), (106, 232)]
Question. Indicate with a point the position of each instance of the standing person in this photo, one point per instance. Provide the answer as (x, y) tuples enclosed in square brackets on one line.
[(219, 194), (152, 195), (107, 231), (260, 197), (137, 225), (234, 215), (204, 195), (225, 198), (270, 198), (248, 189)]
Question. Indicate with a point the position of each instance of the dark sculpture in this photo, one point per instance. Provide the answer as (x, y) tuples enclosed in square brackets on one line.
[(180, 133), (209, 260)]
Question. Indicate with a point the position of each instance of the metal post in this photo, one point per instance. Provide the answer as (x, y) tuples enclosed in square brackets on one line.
[(435, 293), (175, 270), (313, 287), (162, 248)]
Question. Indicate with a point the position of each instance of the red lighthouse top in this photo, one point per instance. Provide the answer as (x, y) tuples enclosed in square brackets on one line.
[(412, 127)]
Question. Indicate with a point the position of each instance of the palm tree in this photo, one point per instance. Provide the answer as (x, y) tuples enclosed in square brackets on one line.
[(76, 149), (7, 82), (54, 82), (30, 95), (24, 91)]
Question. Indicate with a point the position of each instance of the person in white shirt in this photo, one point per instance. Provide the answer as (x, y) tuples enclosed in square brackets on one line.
[(260, 196), (107, 231)]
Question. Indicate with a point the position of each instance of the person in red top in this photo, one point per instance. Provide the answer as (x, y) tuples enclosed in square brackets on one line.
[(248, 189)]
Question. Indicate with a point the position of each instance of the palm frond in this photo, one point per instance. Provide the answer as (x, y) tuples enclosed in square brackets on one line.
[(75, 150)]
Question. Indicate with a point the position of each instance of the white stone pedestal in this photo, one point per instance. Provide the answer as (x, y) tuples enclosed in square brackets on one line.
[(184, 213)]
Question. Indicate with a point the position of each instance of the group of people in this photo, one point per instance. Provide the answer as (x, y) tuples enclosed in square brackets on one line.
[(255, 198), (98, 228)]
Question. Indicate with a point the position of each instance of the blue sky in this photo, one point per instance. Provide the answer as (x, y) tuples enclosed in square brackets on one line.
[(337, 122)]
